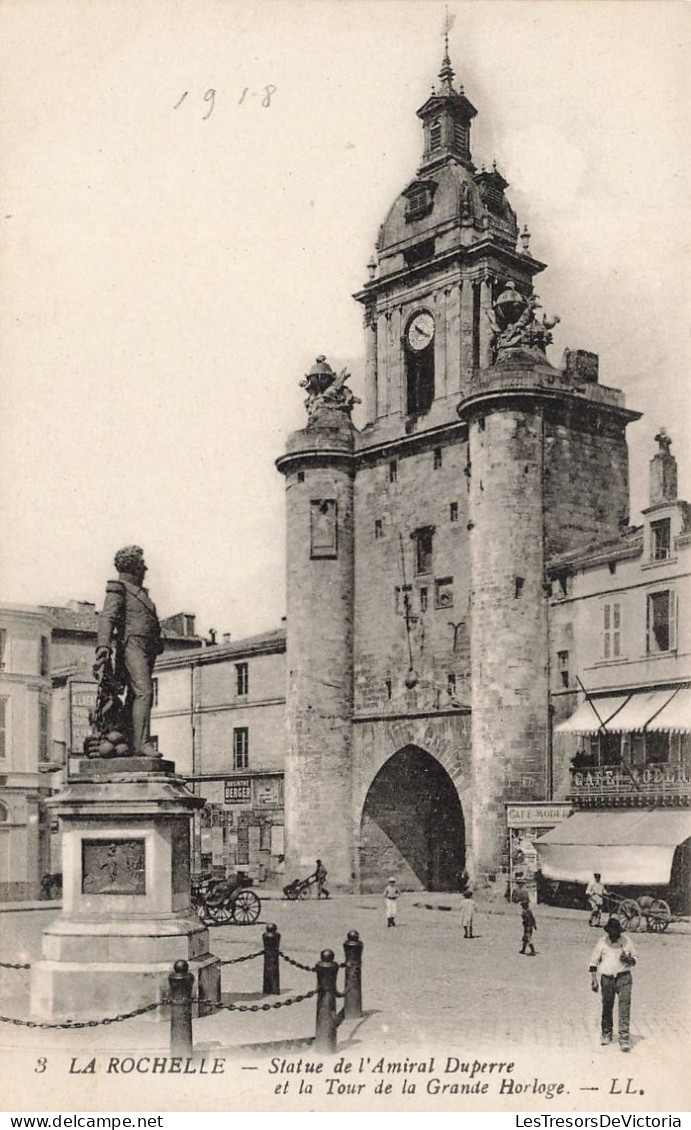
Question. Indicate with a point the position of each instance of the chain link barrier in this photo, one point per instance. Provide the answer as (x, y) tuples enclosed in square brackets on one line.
[(83, 1023), (297, 964), (237, 960), (14, 965), (267, 1007)]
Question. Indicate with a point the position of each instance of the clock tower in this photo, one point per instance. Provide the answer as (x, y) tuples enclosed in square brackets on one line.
[(445, 251), (417, 643)]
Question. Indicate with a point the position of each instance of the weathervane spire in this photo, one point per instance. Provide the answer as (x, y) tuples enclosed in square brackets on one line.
[(446, 73)]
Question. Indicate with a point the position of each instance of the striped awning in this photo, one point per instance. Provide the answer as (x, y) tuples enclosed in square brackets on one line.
[(675, 716), (634, 847), (668, 710), (591, 714)]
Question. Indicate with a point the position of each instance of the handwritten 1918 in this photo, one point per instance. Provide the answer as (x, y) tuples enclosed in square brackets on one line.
[(261, 97)]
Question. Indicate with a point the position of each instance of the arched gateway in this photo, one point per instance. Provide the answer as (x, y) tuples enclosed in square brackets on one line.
[(412, 825)]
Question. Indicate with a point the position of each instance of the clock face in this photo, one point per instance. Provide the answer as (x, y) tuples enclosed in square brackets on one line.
[(420, 332)]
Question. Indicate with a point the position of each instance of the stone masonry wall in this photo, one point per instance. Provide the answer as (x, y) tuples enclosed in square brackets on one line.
[(420, 496), (318, 782), (509, 633), (586, 481)]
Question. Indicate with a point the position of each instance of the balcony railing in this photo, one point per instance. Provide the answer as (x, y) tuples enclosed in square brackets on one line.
[(647, 784)]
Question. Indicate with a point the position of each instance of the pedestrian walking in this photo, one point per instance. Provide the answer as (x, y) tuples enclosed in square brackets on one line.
[(320, 876), (613, 958), (595, 896), (391, 894), (529, 925), (467, 913)]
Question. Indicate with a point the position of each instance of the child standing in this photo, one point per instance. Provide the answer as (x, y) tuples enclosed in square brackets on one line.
[(391, 896), (529, 924), (467, 914)]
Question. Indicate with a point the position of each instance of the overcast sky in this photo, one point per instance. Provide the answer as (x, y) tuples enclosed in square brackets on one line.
[(174, 259)]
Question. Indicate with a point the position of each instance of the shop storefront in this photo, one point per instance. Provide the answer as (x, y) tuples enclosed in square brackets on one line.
[(527, 821)]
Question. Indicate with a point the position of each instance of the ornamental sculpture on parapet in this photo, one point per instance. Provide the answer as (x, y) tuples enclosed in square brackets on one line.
[(127, 644), (515, 327), (326, 391)]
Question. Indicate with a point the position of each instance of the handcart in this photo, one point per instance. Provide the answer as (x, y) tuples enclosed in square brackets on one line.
[(300, 888)]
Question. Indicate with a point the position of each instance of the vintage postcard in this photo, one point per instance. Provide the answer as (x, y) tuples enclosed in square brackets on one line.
[(345, 677)]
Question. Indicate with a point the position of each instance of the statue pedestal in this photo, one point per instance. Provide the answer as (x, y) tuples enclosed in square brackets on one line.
[(127, 915)]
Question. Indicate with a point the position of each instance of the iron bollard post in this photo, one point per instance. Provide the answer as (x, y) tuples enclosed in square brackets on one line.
[(352, 948), (327, 972), (272, 977), (180, 982)]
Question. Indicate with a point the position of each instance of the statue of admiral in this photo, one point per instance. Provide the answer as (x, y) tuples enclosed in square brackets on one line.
[(129, 621)]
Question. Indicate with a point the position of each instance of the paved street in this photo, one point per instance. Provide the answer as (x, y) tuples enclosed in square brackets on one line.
[(424, 987)]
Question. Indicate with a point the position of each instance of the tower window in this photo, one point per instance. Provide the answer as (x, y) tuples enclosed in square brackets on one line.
[(443, 592), (378, 529), (301, 476), (451, 684), (424, 540), (518, 583), (563, 667), (389, 688), (241, 747), (660, 541), (419, 365), (453, 511), (424, 600), (393, 471), (435, 135), (437, 458), (460, 134)]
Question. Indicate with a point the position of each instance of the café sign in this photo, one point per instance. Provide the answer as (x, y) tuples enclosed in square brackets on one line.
[(536, 814)]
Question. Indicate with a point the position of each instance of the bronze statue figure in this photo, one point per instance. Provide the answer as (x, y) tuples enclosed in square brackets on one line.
[(129, 625)]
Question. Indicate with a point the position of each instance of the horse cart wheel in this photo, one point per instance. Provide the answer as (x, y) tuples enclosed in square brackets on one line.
[(220, 914), (659, 916), (630, 914), (305, 892), (245, 908)]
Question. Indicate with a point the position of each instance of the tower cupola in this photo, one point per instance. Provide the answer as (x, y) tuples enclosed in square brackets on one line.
[(446, 118)]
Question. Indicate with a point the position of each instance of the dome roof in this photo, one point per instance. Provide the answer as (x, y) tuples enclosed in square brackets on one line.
[(452, 205)]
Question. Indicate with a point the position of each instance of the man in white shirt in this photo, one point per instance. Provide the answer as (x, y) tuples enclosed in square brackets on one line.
[(595, 895), (613, 957)]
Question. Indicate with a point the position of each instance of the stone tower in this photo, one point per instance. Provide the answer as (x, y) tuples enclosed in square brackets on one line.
[(319, 696), (476, 461)]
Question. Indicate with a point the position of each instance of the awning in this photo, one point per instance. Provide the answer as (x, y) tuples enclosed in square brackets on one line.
[(586, 721), (638, 711), (633, 848), (623, 714), (675, 716)]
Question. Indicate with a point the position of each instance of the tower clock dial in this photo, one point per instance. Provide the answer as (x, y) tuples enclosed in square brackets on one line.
[(420, 332)]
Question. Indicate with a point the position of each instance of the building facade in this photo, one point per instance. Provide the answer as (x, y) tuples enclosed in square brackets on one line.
[(219, 714), (47, 694), (620, 660), (417, 612), (26, 750)]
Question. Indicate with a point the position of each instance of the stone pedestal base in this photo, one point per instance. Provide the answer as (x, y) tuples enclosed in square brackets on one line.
[(127, 915), (93, 969)]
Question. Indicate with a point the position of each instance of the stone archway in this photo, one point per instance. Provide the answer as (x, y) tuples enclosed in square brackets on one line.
[(412, 826)]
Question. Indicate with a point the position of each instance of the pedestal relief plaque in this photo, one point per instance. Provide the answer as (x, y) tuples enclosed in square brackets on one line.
[(113, 867)]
